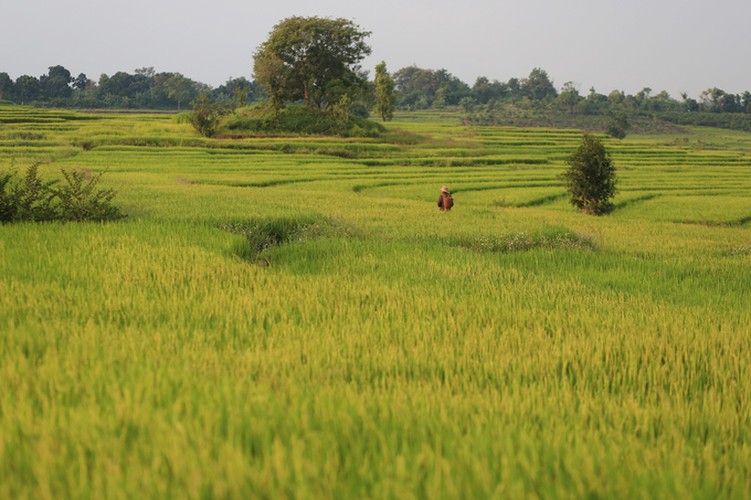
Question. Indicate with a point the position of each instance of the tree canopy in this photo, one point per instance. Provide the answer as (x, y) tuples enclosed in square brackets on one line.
[(422, 88), (537, 85), (384, 92), (312, 59), (591, 177), (317, 61)]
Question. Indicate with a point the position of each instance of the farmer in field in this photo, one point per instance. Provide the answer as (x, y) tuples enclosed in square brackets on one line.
[(445, 201)]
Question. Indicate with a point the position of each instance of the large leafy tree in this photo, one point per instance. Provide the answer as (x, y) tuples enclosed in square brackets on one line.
[(537, 86), (56, 83), (416, 86), (312, 59), (27, 89), (569, 97), (81, 82)]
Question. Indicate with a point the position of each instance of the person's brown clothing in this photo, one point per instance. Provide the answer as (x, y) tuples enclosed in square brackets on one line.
[(445, 201)]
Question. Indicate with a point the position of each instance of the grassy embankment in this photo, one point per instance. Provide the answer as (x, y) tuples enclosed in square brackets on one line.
[(294, 317)]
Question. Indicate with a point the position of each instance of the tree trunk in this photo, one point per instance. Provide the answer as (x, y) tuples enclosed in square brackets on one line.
[(306, 94)]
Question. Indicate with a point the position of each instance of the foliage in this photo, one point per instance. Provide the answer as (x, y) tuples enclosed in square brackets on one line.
[(732, 121), (468, 104), (206, 114), (419, 88), (569, 97), (617, 125), (558, 116), (56, 84), (415, 88), (80, 200), (27, 199), (240, 91), (264, 234), (6, 87), (300, 120), (32, 199), (271, 72), (312, 59), (591, 177), (537, 86), (341, 111), (7, 206), (384, 92), (484, 91), (145, 88)]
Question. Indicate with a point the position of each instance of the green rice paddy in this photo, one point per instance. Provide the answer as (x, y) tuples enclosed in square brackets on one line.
[(292, 317)]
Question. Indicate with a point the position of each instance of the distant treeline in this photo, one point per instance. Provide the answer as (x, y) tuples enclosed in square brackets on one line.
[(416, 88), (145, 89), (422, 88)]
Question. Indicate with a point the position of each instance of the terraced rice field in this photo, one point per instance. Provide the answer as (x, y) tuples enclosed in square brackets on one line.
[(293, 317)]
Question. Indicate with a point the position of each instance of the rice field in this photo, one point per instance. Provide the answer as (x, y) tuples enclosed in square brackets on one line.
[(292, 317)]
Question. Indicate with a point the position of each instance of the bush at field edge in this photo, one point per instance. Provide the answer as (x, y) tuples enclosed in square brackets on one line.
[(297, 120)]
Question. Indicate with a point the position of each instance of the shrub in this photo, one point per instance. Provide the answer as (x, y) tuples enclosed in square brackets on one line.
[(27, 199), (617, 125), (80, 201), (206, 114), (614, 131), (300, 120), (591, 178), (261, 234), (6, 205), (33, 199)]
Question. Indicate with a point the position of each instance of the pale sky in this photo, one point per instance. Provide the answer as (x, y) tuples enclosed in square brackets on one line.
[(673, 45)]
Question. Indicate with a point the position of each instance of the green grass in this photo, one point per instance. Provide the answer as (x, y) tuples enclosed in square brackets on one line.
[(274, 320), (295, 120)]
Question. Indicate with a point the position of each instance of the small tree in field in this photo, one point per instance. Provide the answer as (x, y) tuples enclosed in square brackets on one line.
[(206, 114), (384, 92), (591, 177)]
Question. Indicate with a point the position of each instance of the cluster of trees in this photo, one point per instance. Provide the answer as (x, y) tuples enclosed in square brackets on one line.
[(144, 89), (412, 88), (316, 61), (419, 88), (311, 61)]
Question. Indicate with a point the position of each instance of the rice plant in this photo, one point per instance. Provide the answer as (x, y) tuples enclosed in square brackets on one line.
[(383, 349)]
